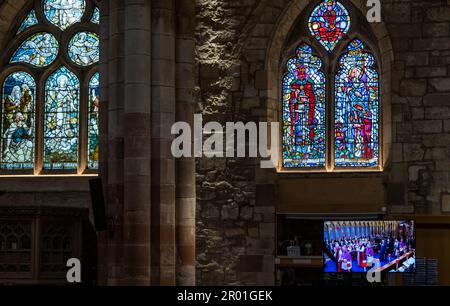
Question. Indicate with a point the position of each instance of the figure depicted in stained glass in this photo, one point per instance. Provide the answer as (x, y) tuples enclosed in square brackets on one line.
[(18, 122), (96, 16), (39, 50), (304, 111), (64, 13), (61, 120), (356, 109), (94, 103), (329, 23), (84, 48), (29, 21)]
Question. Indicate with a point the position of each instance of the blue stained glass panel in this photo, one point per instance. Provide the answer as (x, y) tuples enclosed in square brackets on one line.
[(84, 48), (61, 120), (96, 16), (17, 132), (304, 129), (94, 103), (64, 13), (329, 23), (39, 50), (29, 21), (356, 109)]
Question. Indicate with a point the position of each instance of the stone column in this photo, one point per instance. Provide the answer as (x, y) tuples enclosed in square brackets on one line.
[(151, 235), (125, 112), (185, 167), (102, 262), (113, 175), (163, 163), (137, 143)]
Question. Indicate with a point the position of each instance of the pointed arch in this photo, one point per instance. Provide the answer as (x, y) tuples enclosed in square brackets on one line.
[(356, 109), (274, 65), (61, 120), (18, 122), (304, 133), (93, 121)]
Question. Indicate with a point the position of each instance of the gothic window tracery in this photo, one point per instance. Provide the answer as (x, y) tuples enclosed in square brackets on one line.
[(49, 82), (330, 100)]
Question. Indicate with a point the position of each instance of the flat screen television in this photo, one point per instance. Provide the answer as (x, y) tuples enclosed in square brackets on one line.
[(359, 246)]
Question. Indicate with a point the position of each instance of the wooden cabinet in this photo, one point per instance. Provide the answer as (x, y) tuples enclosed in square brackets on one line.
[(35, 244)]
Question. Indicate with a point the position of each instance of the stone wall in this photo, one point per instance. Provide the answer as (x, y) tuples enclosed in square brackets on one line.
[(236, 200), (235, 235), (420, 32)]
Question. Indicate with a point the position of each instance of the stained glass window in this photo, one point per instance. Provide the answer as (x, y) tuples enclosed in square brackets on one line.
[(39, 50), (93, 141), (329, 23), (64, 13), (17, 136), (84, 48), (49, 115), (354, 127), (96, 16), (29, 21), (356, 109), (61, 122), (304, 111)]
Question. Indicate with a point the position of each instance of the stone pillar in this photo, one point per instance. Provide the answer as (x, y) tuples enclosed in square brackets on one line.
[(163, 163), (125, 112), (113, 176), (102, 262), (147, 77), (185, 167)]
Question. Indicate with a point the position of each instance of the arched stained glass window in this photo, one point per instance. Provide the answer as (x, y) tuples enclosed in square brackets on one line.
[(83, 48), (94, 103), (61, 122), (304, 111), (29, 21), (18, 122), (330, 98), (329, 23), (64, 13), (50, 91), (39, 50), (356, 109)]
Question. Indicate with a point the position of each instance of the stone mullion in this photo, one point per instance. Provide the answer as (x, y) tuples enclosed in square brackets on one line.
[(185, 167), (137, 142), (163, 163)]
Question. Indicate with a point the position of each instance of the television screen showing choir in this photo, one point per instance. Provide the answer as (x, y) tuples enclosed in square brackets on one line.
[(360, 246)]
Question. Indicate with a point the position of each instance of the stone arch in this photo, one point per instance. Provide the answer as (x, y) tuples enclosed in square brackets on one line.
[(8, 12)]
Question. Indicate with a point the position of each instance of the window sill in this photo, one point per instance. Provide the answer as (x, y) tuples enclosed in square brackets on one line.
[(46, 175), (45, 183), (354, 172)]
